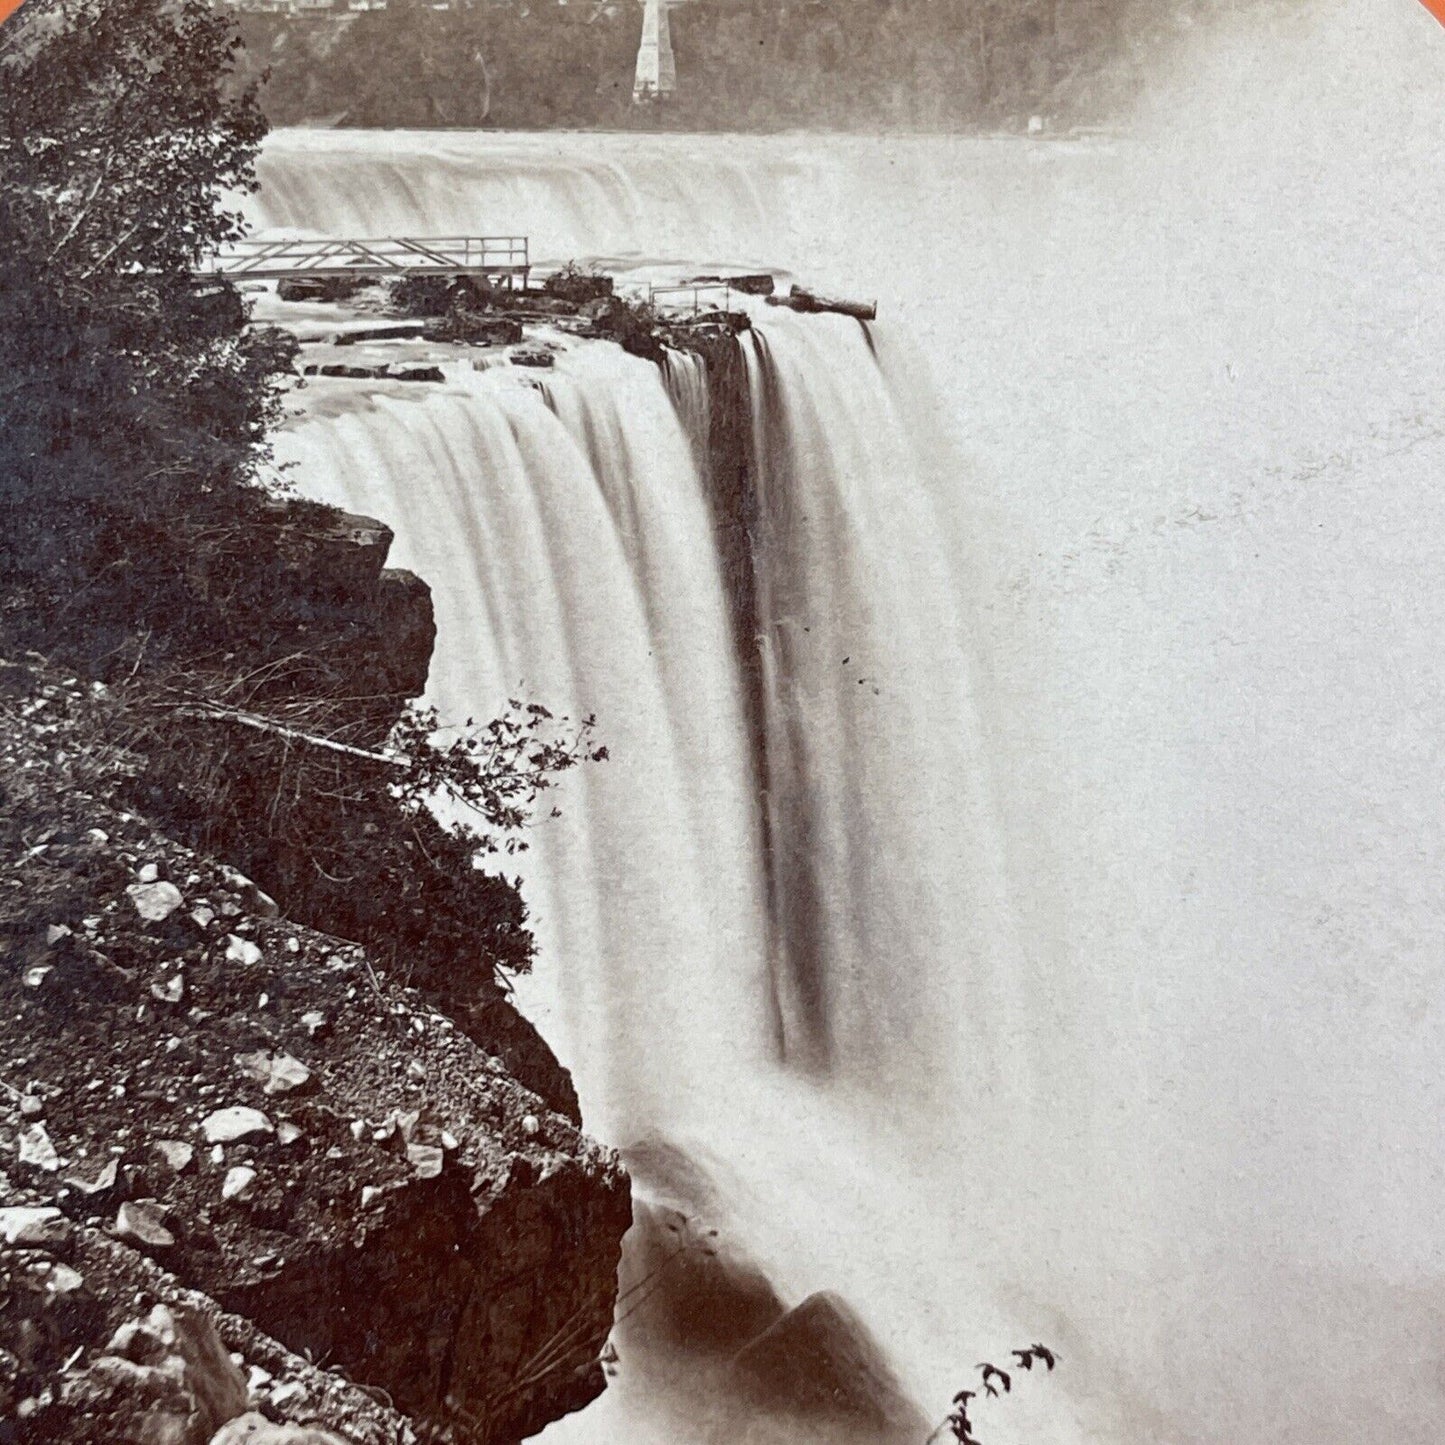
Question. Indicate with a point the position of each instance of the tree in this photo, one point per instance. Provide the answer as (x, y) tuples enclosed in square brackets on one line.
[(137, 544), (132, 395)]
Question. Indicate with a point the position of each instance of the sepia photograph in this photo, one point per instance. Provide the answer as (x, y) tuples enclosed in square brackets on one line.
[(722, 722)]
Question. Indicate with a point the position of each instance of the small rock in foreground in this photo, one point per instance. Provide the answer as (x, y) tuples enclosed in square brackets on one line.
[(140, 1223), (28, 1224), (238, 1182), (155, 902), (176, 1153), (37, 1150), (226, 1126), (242, 951), (276, 1073)]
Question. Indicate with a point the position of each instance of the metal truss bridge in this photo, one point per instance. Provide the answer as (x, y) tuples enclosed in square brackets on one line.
[(498, 258)]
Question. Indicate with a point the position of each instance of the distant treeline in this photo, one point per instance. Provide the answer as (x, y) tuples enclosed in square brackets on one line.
[(742, 64)]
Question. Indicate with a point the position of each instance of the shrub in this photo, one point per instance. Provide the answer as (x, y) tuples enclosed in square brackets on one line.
[(346, 836), (132, 393), (577, 284), (432, 296)]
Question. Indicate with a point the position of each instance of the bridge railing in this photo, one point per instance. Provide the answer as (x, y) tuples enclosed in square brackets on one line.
[(679, 295), (388, 256)]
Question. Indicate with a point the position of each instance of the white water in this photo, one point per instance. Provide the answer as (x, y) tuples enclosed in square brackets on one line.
[(1126, 877)]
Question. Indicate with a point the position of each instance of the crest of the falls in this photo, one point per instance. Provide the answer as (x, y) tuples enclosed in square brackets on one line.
[(566, 540)]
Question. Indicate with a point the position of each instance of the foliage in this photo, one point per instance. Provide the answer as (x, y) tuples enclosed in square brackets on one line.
[(578, 283), (136, 542), (633, 325), (348, 836), (132, 394), (496, 772)]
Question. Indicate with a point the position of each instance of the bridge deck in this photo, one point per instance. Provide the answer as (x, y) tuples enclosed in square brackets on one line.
[(505, 257)]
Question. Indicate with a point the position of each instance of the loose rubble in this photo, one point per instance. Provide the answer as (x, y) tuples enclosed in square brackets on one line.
[(218, 1110)]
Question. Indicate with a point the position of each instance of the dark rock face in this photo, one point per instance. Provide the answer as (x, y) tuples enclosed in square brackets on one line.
[(819, 1367), (495, 1026), (758, 1372), (403, 612), (319, 288), (301, 580), (371, 627), (703, 1298), (341, 556)]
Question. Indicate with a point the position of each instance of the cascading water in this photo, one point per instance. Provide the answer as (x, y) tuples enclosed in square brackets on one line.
[(967, 920), (729, 998)]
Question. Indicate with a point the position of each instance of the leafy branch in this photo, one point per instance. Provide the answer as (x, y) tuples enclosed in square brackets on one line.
[(497, 771)]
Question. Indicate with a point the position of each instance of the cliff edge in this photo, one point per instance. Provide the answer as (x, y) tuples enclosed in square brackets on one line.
[(254, 1177)]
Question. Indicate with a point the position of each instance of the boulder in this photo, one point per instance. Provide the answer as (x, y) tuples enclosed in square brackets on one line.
[(472, 328), (319, 288), (704, 1295), (253, 1428), (226, 1126), (343, 554), (402, 614), (356, 373), (404, 331), (142, 1224), (818, 1374), (163, 1380), (155, 902)]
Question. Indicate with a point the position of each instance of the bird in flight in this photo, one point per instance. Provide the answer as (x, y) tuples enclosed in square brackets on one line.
[(992, 1373), (1041, 1353)]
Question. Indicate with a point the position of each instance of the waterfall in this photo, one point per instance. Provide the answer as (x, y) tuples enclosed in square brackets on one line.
[(567, 543), (998, 908), (875, 787), (686, 378), (730, 962)]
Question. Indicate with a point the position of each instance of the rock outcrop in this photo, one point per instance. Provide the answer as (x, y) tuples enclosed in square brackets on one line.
[(103, 1345), (301, 594)]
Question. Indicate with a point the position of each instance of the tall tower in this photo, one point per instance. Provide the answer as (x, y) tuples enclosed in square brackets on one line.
[(656, 69)]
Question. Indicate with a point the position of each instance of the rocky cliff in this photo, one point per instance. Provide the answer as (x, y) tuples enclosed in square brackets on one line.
[(222, 1124)]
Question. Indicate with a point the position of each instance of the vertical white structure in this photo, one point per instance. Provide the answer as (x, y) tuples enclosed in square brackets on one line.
[(656, 69)]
